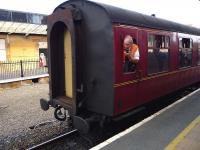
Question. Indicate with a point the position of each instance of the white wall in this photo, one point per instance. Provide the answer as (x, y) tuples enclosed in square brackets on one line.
[(2, 50)]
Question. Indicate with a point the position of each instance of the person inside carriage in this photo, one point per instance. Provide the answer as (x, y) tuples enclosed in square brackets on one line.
[(131, 54)]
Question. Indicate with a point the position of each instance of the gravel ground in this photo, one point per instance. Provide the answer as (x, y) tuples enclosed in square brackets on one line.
[(20, 110)]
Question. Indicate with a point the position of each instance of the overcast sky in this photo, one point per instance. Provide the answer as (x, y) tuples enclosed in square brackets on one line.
[(182, 11)]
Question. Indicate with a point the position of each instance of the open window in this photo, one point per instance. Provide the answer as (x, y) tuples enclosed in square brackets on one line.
[(185, 52), (158, 53), (131, 54)]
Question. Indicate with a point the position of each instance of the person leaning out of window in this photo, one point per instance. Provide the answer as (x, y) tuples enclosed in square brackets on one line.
[(131, 54)]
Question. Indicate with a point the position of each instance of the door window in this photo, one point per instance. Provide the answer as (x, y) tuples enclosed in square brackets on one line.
[(131, 54)]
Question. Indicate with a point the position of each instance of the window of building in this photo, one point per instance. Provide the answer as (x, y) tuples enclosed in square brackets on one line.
[(198, 52), (36, 19), (158, 53), (19, 17), (2, 50), (5, 15), (185, 52)]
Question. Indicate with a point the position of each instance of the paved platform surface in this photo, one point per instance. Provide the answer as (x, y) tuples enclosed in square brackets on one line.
[(169, 130), (190, 140)]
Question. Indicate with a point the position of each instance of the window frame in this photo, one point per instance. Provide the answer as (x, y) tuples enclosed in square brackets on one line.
[(122, 36), (198, 52), (165, 47), (181, 48)]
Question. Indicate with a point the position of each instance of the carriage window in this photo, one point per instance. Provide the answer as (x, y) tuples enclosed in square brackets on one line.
[(158, 53), (185, 52), (130, 54), (198, 53)]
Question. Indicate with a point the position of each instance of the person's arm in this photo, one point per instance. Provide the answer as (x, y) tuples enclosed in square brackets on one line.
[(128, 55), (135, 57)]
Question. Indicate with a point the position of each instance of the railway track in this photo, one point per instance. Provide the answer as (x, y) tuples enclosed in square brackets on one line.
[(98, 136), (43, 144)]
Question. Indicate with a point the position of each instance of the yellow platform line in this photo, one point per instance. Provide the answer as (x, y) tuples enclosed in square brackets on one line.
[(172, 145)]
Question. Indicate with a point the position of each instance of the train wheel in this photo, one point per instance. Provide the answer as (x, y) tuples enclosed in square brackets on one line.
[(60, 113)]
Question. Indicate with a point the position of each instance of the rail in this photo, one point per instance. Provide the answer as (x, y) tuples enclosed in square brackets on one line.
[(52, 140)]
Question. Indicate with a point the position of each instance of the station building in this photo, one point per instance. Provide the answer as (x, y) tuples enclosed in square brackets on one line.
[(23, 36)]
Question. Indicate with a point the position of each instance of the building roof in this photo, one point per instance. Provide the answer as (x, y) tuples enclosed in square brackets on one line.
[(22, 22)]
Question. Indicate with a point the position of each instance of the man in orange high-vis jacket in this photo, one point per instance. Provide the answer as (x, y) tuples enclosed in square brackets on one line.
[(131, 54)]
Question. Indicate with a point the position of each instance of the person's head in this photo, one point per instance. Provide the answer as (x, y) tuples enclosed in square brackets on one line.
[(128, 41)]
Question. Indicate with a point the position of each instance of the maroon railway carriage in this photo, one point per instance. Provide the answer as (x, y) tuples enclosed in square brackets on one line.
[(85, 41)]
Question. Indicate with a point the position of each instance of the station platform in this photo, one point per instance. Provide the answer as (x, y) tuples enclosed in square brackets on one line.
[(176, 127)]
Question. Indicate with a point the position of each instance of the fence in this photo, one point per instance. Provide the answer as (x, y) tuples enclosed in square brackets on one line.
[(22, 68)]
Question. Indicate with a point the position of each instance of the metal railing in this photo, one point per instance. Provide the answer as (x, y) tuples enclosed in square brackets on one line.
[(21, 68)]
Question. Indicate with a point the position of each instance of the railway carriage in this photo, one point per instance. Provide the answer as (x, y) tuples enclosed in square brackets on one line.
[(85, 42)]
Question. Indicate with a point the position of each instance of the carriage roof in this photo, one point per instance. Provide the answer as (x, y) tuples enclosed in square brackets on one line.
[(123, 16)]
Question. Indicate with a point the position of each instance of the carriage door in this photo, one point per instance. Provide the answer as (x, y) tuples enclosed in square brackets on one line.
[(126, 79), (61, 41)]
